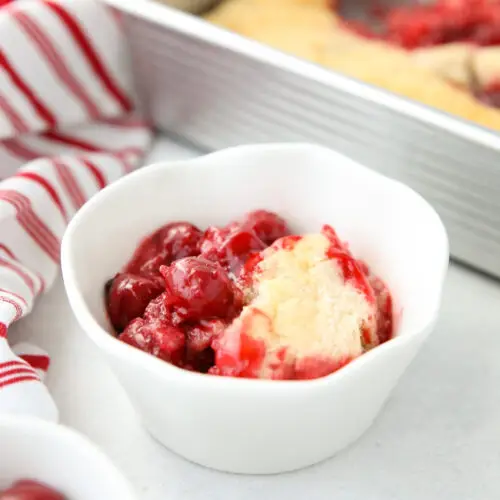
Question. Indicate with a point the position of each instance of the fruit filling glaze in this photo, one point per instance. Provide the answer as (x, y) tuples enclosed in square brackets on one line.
[(468, 29), (249, 299), (28, 489), (424, 24)]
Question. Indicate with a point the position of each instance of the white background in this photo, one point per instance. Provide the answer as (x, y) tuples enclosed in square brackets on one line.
[(438, 438)]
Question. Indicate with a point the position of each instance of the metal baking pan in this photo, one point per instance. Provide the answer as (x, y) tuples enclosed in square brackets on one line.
[(217, 89)]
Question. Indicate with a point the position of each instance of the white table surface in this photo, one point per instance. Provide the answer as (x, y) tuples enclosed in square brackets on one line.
[(437, 439)]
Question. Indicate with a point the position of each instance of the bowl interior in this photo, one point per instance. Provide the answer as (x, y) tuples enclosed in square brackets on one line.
[(388, 225)]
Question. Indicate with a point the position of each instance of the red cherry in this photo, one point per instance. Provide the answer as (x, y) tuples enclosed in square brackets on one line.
[(30, 490), (180, 239), (148, 249), (160, 339), (212, 242), (151, 267), (198, 289), (128, 296), (238, 247), (230, 246), (268, 226), (172, 241), (201, 335), (158, 309), (441, 22), (199, 338)]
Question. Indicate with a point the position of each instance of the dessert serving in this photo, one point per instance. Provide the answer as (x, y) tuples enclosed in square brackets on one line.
[(28, 489), (246, 318), (249, 299), (444, 54)]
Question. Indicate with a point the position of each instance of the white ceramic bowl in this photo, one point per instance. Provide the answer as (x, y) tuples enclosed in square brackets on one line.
[(257, 426), (34, 449)]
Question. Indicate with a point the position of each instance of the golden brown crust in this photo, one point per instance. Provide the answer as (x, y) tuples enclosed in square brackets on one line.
[(452, 62), (486, 65), (310, 30), (393, 70), (298, 27)]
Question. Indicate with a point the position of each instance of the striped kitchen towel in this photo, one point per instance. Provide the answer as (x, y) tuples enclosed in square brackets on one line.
[(67, 129)]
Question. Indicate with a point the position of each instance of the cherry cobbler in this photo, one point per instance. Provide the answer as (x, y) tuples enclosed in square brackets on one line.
[(443, 53), (249, 299)]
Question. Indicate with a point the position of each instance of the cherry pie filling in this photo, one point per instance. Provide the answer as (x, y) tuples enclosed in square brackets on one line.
[(184, 287), (27, 489), (440, 22)]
